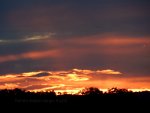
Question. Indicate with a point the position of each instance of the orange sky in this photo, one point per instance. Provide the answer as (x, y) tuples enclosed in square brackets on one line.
[(42, 41), (73, 80)]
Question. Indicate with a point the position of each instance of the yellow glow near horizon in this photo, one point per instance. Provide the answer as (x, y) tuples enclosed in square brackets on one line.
[(72, 80), (75, 77), (109, 71), (77, 90)]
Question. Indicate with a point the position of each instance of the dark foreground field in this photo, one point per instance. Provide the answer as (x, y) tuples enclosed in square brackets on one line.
[(90, 100)]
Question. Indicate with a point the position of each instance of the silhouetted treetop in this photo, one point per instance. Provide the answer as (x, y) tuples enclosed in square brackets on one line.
[(117, 91), (92, 91)]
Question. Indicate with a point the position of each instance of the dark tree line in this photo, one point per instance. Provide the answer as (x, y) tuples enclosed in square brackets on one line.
[(91, 98), (91, 91)]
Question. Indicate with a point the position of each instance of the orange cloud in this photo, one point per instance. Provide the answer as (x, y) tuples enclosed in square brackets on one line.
[(109, 71), (72, 80), (106, 44), (82, 71), (31, 55), (122, 40), (110, 39), (9, 86), (76, 77), (30, 74)]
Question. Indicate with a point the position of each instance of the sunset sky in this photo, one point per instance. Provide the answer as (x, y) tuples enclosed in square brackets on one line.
[(72, 44)]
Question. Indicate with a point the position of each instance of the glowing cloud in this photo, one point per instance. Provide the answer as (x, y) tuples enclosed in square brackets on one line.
[(8, 86), (29, 38), (71, 80), (82, 71), (109, 71), (75, 77), (38, 37), (30, 74), (30, 55)]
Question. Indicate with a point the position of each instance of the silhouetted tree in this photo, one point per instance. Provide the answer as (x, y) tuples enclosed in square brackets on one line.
[(92, 91), (52, 93), (117, 91), (91, 96)]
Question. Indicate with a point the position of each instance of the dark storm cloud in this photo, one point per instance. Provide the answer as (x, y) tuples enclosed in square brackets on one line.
[(128, 54), (25, 25), (71, 18), (28, 65)]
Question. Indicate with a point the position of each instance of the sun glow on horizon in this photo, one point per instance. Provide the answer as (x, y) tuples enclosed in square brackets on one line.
[(77, 91), (72, 81)]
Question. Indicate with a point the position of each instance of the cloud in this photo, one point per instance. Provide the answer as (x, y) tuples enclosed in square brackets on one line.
[(109, 71), (90, 52), (98, 17), (9, 86), (41, 80), (109, 39), (59, 36), (31, 74), (42, 74), (3, 41), (82, 71), (30, 55), (32, 38), (86, 72), (76, 77), (38, 37), (72, 80)]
